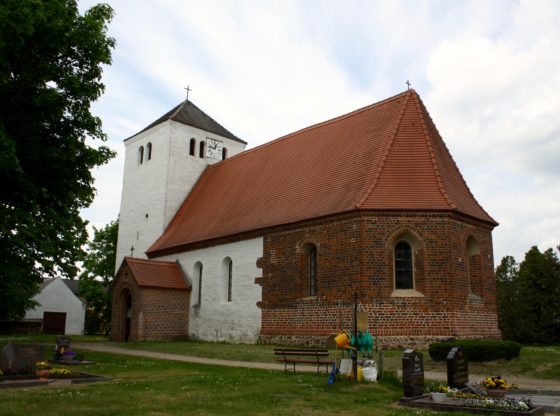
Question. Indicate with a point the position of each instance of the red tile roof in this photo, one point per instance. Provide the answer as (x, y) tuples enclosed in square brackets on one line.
[(161, 274), (387, 156)]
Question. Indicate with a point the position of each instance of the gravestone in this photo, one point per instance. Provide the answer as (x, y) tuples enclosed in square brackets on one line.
[(457, 368), (20, 358), (413, 373)]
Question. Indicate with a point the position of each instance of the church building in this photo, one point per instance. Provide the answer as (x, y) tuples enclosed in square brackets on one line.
[(272, 244)]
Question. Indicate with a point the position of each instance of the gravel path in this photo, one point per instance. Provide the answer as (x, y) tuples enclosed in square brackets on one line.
[(522, 382)]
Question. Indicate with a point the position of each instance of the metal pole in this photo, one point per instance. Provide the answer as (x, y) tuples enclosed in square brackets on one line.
[(355, 351)]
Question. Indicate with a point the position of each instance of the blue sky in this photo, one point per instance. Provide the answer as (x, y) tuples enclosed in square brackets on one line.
[(488, 72)]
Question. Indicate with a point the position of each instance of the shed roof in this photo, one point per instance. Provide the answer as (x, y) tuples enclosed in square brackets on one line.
[(387, 156)]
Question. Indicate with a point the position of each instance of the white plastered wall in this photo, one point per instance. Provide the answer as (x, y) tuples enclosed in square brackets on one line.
[(216, 319), (153, 191), (57, 297)]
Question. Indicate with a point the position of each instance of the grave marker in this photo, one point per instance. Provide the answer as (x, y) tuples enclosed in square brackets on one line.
[(20, 358), (457, 368), (413, 373)]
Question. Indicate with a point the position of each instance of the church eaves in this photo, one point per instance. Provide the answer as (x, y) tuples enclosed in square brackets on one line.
[(388, 156), (189, 114)]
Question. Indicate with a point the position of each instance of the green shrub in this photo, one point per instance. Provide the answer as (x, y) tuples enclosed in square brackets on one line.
[(477, 350)]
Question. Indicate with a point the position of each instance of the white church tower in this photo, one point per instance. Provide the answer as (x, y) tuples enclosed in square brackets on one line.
[(162, 164)]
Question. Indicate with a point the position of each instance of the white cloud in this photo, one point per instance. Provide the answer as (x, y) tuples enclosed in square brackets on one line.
[(496, 103), (488, 73)]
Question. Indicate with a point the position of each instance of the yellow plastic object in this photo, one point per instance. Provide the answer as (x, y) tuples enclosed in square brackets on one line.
[(342, 340)]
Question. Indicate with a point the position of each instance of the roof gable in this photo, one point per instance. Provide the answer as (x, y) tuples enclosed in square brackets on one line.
[(189, 114), (387, 156), (151, 273), (65, 287)]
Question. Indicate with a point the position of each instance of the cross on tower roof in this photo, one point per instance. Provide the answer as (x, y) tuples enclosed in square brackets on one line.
[(407, 84), (188, 90)]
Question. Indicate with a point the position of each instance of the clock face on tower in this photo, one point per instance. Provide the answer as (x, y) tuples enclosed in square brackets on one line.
[(214, 148)]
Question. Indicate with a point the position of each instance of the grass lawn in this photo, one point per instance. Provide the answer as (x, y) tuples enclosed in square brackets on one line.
[(535, 361), (156, 387), (144, 386)]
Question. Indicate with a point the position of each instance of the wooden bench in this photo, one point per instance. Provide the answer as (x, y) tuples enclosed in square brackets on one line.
[(318, 357)]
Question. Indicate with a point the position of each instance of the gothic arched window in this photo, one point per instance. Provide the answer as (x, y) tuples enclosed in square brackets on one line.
[(224, 153), (404, 277), (141, 155), (312, 268)]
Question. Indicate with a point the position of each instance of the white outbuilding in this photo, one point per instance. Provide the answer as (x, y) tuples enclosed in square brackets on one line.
[(60, 308)]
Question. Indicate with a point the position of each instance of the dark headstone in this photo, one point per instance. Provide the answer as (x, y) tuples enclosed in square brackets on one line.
[(63, 342), (62, 345), (413, 373), (20, 358), (457, 368)]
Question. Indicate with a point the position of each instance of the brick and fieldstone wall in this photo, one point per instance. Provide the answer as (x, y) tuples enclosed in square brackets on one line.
[(156, 313), (355, 254)]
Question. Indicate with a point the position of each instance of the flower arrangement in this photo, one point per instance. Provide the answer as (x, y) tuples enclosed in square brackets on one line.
[(497, 382), (522, 405), (60, 372), (42, 365), (437, 387)]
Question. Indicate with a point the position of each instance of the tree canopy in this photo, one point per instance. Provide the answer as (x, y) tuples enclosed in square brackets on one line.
[(528, 297), (50, 72), (96, 278)]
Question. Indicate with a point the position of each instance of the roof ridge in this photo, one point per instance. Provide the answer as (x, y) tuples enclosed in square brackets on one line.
[(178, 108), (313, 126), (377, 174), (421, 103), (435, 165), (211, 118)]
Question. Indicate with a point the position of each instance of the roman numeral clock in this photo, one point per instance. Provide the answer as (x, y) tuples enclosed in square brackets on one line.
[(214, 148)]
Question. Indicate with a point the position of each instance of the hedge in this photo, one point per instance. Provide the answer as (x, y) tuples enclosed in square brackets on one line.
[(477, 350)]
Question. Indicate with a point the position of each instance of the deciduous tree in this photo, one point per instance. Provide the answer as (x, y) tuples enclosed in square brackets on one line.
[(50, 72), (95, 280), (506, 274)]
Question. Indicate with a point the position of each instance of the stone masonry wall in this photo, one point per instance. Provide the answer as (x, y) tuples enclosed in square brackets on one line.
[(355, 254)]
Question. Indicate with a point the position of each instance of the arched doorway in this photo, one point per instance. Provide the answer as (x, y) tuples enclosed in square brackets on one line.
[(124, 316), (128, 317)]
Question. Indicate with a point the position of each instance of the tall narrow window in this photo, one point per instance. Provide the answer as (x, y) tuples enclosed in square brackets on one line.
[(230, 280), (472, 261), (224, 153), (403, 266), (149, 151), (201, 150), (312, 261), (192, 147), (140, 155), (198, 274)]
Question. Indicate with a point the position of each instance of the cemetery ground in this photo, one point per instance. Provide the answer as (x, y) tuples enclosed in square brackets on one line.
[(143, 386)]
